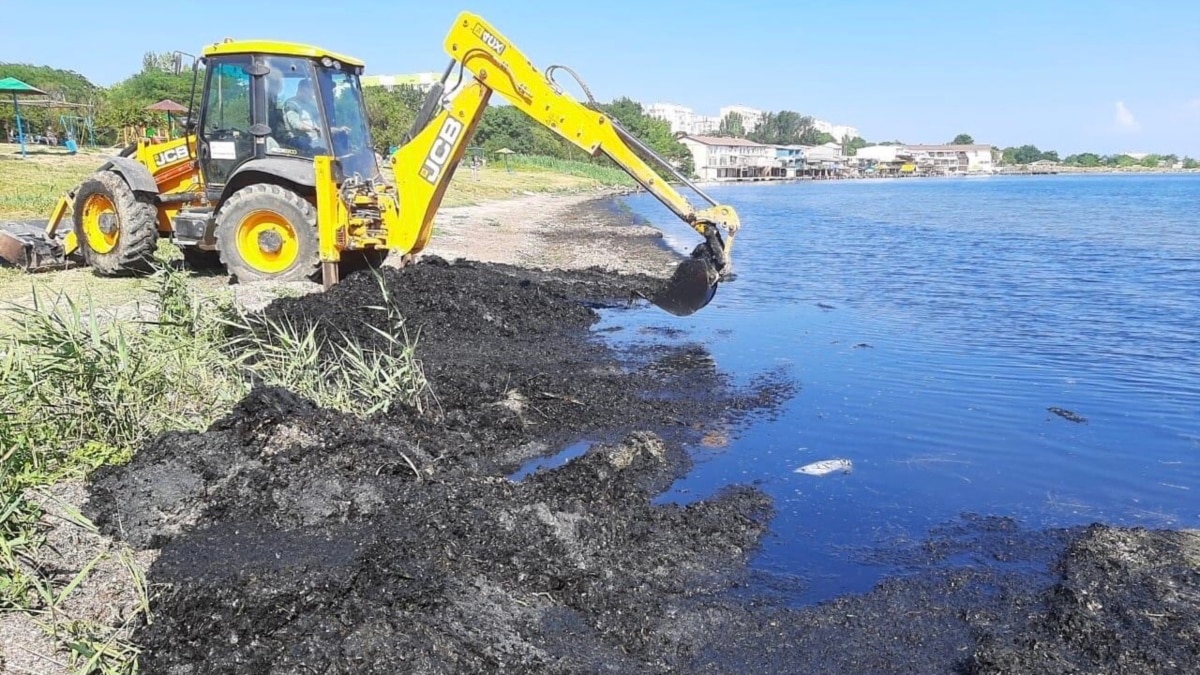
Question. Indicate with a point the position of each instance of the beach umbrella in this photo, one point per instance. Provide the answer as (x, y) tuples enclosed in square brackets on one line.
[(12, 85), (168, 106), (506, 152)]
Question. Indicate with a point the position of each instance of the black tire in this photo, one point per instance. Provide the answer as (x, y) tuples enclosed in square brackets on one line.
[(136, 222), (299, 215)]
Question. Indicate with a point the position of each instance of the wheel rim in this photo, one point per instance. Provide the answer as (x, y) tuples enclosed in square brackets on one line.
[(94, 210), (267, 242)]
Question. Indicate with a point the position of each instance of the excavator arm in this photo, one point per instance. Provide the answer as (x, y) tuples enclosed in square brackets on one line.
[(426, 162)]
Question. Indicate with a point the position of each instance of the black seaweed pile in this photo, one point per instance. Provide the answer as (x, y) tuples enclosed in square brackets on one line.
[(297, 539)]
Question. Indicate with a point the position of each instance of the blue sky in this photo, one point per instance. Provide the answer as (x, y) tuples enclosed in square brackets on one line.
[(1064, 75)]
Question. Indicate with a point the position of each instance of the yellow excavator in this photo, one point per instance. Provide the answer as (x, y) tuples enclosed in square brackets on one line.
[(278, 177)]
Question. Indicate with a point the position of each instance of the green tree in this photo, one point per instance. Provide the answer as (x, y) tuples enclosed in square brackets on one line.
[(505, 126), (1150, 161), (813, 137), (391, 113), (1085, 159), (851, 146), (1026, 154), (124, 103), (654, 132), (732, 125), (161, 61), (1189, 163), (963, 139), (61, 85)]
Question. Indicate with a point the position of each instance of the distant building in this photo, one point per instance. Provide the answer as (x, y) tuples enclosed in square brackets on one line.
[(790, 159), (683, 119), (730, 158), (940, 159), (751, 117), (880, 153), (953, 158), (825, 157), (840, 132), (420, 81)]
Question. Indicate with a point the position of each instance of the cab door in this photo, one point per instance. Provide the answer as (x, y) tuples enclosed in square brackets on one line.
[(224, 140)]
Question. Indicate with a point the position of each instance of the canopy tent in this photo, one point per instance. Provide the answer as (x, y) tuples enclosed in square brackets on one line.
[(168, 106), (506, 152), (17, 88)]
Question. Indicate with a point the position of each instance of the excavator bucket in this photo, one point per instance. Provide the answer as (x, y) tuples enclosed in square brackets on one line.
[(25, 245), (692, 286)]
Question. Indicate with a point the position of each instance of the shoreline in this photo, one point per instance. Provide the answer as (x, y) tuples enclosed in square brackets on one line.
[(1057, 171)]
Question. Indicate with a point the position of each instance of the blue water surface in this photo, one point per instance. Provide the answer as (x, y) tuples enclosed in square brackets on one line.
[(929, 325)]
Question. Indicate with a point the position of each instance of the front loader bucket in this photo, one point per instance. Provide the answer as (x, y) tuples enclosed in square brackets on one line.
[(25, 245)]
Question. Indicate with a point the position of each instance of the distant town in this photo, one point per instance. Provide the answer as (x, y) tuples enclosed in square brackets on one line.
[(728, 157)]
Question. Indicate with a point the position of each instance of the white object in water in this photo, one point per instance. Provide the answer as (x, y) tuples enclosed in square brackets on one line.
[(826, 466)]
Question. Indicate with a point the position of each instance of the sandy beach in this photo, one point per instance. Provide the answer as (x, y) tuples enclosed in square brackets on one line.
[(550, 231)]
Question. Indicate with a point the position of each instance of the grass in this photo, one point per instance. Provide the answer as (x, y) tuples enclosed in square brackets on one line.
[(81, 386), (30, 188), (599, 173)]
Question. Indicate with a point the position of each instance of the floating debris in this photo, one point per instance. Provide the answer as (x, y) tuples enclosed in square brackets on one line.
[(1067, 414), (826, 466)]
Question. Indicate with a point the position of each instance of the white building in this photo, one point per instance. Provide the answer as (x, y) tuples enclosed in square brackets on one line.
[(730, 158), (935, 158), (880, 153), (750, 116), (683, 119), (953, 158), (828, 155), (840, 132)]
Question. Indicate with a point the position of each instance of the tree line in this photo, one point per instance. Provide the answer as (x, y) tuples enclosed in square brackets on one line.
[(784, 127), (112, 108), (1028, 154)]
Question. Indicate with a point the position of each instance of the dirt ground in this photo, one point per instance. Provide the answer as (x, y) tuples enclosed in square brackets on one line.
[(552, 232), (288, 538)]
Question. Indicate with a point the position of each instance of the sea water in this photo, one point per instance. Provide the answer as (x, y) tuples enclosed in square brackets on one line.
[(932, 328)]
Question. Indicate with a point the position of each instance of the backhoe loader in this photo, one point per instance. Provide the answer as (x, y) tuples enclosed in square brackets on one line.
[(278, 178)]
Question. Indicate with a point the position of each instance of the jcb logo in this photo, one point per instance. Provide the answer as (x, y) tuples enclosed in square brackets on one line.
[(168, 156), (443, 145), (489, 39)]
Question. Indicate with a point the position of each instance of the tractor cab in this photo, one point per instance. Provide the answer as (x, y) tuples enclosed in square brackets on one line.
[(271, 107)]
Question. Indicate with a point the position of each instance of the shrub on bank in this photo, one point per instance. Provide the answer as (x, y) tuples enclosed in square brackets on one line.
[(81, 388)]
